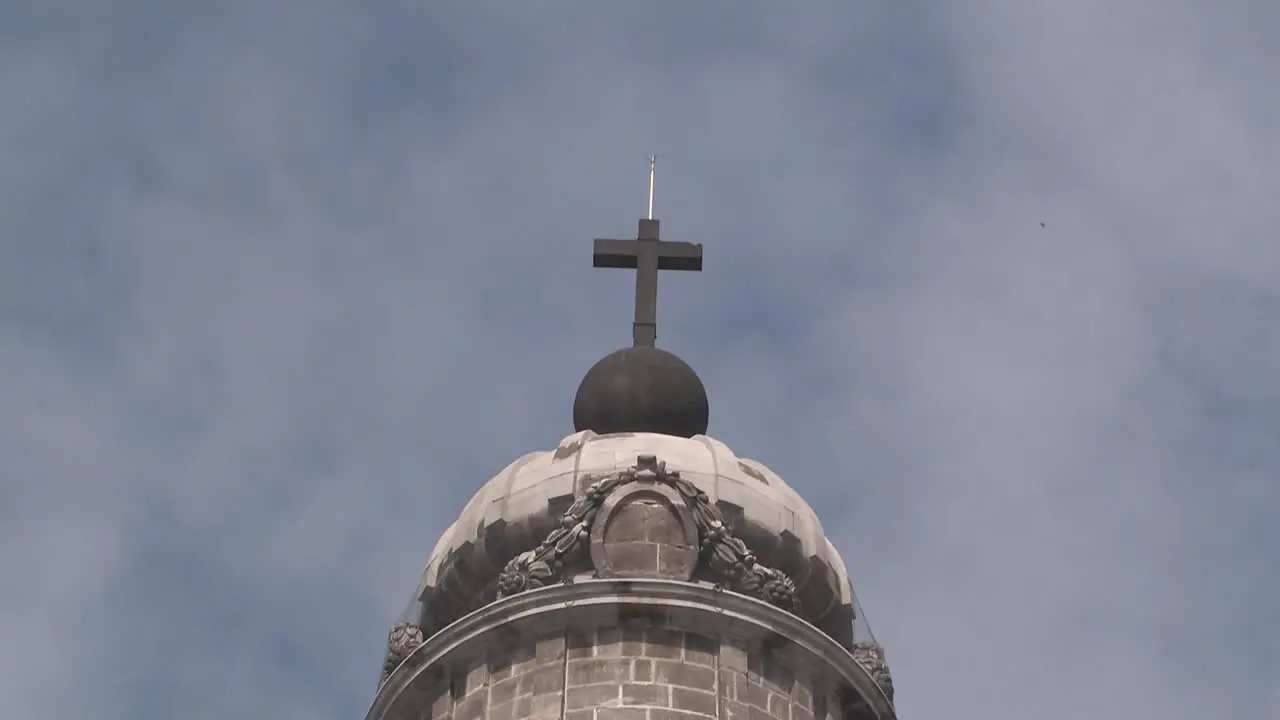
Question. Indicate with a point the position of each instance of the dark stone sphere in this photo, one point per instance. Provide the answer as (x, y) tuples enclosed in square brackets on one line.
[(641, 389)]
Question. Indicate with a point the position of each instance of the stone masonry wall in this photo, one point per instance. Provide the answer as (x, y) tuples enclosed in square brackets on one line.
[(629, 673)]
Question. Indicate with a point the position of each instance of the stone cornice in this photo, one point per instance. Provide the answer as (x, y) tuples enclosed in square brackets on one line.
[(587, 597)]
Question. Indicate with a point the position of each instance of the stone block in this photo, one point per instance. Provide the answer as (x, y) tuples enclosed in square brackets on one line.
[(546, 707), (680, 674), (645, 531), (502, 711), (472, 707), (734, 710), (802, 695), (728, 684), (608, 642), (697, 701), (699, 649), (630, 522), (665, 714), (541, 680), (759, 714), (477, 678), (591, 696), (664, 527), (776, 675), (550, 649), (601, 670), (648, 694), (503, 691), (755, 694), (733, 655), (779, 706), (633, 639), (676, 562), (632, 559), (441, 700), (664, 643), (605, 713), (580, 642)]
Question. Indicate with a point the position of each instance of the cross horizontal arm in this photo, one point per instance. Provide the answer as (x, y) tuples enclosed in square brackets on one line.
[(624, 253)]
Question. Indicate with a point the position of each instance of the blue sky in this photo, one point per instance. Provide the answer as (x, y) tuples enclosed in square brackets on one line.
[(282, 283)]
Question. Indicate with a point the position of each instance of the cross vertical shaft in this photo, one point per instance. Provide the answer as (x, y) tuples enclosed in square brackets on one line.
[(644, 331), (647, 254)]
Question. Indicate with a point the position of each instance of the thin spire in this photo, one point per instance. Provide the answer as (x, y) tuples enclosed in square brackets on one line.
[(653, 162)]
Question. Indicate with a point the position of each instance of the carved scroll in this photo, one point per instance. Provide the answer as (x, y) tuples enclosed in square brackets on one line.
[(870, 656), (725, 556), (403, 639)]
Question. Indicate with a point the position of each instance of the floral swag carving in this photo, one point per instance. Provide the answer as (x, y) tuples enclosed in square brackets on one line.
[(725, 555), (403, 639), (870, 656)]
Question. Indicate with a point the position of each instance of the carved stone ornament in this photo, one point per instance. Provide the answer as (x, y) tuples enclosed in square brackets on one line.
[(645, 530), (403, 639), (871, 657), (725, 556)]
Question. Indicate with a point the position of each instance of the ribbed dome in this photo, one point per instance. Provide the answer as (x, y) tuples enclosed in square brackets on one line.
[(516, 510)]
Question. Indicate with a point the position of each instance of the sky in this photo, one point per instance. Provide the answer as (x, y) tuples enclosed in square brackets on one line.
[(993, 285)]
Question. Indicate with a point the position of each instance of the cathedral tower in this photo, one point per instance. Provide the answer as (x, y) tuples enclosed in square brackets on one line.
[(639, 570)]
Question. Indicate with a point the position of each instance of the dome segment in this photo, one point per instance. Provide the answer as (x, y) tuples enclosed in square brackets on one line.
[(633, 500)]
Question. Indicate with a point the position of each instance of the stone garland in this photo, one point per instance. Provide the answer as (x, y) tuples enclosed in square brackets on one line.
[(726, 555), (403, 639), (870, 656)]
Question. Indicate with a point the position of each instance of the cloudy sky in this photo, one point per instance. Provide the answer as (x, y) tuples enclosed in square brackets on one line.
[(283, 282)]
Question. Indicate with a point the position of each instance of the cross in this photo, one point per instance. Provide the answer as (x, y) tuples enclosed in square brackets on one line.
[(647, 255)]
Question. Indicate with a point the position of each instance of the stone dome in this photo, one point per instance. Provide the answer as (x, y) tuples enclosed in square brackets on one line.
[(518, 509)]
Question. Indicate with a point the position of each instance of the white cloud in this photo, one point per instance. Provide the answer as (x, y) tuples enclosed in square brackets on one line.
[(279, 288)]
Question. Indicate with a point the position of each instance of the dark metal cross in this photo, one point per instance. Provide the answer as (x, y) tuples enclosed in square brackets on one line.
[(647, 255)]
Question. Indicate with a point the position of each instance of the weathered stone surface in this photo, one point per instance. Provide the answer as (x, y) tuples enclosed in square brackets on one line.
[(871, 657), (646, 694), (702, 702), (645, 530), (592, 696), (633, 663), (665, 673), (699, 649), (622, 713), (599, 670), (676, 562), (643, 519), (677, 672), (515, 511), (633, 559), (401, 640), (473, 707), (660, 714), (664, 643)]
